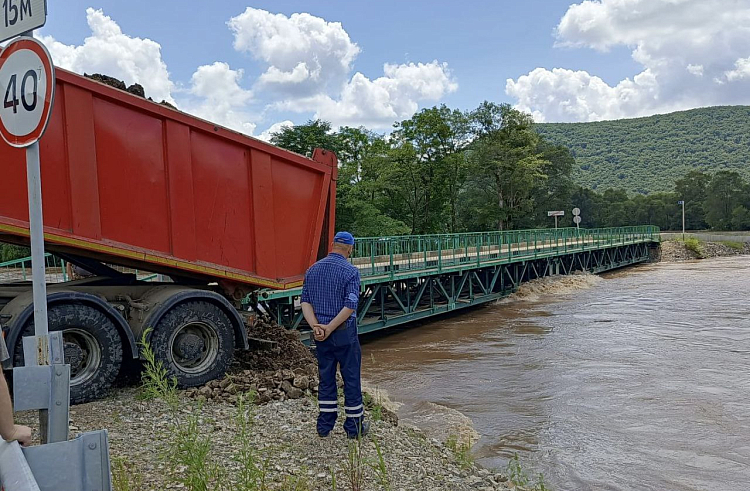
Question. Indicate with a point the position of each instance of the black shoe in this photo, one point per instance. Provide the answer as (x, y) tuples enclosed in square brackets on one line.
[(323, 435), (364, 430)]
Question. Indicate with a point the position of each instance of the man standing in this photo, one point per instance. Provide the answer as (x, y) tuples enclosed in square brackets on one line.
[(329, 303)]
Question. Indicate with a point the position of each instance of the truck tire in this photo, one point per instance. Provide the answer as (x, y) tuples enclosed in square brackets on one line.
[(92, 346), (195, 343)]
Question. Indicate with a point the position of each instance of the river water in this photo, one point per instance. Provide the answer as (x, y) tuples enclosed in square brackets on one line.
[(639, 379)]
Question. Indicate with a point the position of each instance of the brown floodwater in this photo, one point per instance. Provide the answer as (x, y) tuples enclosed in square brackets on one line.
[(638, 380)]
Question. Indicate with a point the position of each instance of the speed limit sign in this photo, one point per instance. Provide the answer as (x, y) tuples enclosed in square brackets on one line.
[(27, 89)]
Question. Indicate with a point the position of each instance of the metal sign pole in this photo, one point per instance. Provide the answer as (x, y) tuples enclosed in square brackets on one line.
[(36, 228), (683, 220)]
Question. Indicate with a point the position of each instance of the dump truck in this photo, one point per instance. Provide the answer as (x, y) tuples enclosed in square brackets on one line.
[(132, 183)]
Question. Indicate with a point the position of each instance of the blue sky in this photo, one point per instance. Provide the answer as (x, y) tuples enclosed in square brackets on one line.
[(608, 59)]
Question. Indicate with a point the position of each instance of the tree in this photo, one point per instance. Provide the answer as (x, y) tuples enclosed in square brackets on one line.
[(505, 153), (724, 193), (553, 193), (692, 189), (433, 140), (304, 138)]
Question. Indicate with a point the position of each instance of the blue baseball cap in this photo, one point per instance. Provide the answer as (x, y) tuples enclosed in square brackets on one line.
[(344, 238)]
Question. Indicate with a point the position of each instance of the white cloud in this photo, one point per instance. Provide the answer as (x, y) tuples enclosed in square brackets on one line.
[(306, 67), (304, 54), (395, 96), (109, 51), (567, 95), (741, 70), (708, 38), (308, 62), (275, 128), (220, 98)]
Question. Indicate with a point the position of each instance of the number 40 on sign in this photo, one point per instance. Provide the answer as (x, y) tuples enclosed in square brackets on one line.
[(27, 82)]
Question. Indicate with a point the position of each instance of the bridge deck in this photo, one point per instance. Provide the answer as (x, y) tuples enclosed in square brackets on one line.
[(390, 258)]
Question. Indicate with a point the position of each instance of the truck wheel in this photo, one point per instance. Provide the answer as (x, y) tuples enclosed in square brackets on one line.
[(195, 343), (92, 346)]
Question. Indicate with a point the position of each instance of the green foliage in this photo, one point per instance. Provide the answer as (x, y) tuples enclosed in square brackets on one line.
[(518, 476), (155, 380), (124, 477), (380, 468), (354, 466), (9, 252), (738, 246), (492, 168), (252, 472), (189, 455), (647, 155), (725, 193), (375, 409), (461, 450), (305, 138), (694, 245)]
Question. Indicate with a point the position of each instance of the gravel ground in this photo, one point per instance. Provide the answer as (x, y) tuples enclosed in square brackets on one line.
[(283, 432), (674, 251)]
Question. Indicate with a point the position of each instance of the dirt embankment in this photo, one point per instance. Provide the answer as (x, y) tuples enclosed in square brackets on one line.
[(155, 447), (676, 251)]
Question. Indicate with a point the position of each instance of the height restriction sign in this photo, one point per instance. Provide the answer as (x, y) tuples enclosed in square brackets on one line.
[(27, 89)]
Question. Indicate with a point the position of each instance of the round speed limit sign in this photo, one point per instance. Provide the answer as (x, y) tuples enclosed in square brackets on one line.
[(27, 85)]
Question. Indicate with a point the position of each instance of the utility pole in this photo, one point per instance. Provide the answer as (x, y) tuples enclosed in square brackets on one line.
[(683, 219)]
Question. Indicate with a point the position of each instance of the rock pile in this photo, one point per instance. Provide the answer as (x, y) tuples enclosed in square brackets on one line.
[(288, 370), (269, 386), (135, 89)]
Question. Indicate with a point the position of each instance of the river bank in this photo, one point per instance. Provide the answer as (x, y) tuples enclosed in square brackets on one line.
[(255, 430), (692, 248), (155, 448)]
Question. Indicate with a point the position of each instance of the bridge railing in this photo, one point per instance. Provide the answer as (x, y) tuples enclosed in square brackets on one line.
[(376, 256), (55, 270)]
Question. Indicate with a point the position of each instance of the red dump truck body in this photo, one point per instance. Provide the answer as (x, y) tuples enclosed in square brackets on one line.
[(130, 182)]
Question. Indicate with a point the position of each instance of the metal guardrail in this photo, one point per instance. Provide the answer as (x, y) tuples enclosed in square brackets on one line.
[(709, 236), (376, 256), (20, 270), (408, 256), (55, 270)]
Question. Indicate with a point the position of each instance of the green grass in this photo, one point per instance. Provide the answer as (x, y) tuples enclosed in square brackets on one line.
[(519, 477), (375, 409), (380, 468), (461, 450), (737, 246), (155, 380), (125, 478), (189, 456), (694, 245)]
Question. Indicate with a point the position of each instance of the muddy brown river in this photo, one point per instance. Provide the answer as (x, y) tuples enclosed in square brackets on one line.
[(638, 380)]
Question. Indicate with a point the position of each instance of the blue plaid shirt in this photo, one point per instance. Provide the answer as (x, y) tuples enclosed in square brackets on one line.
[(330, 285)]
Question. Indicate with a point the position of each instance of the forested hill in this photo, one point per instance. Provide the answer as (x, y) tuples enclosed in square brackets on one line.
[(649, 154)]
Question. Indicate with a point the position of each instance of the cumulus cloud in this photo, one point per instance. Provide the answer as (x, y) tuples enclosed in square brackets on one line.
[(275, 128), (306, 66), (220, 98), (741, 70), (109, 51), (693, 53), (308, 62), (378, 103), (304, 54)]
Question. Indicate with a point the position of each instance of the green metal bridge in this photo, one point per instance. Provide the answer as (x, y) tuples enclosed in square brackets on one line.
[(406, 278)]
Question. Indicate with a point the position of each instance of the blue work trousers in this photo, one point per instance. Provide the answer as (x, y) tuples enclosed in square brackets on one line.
[(340, 350)]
